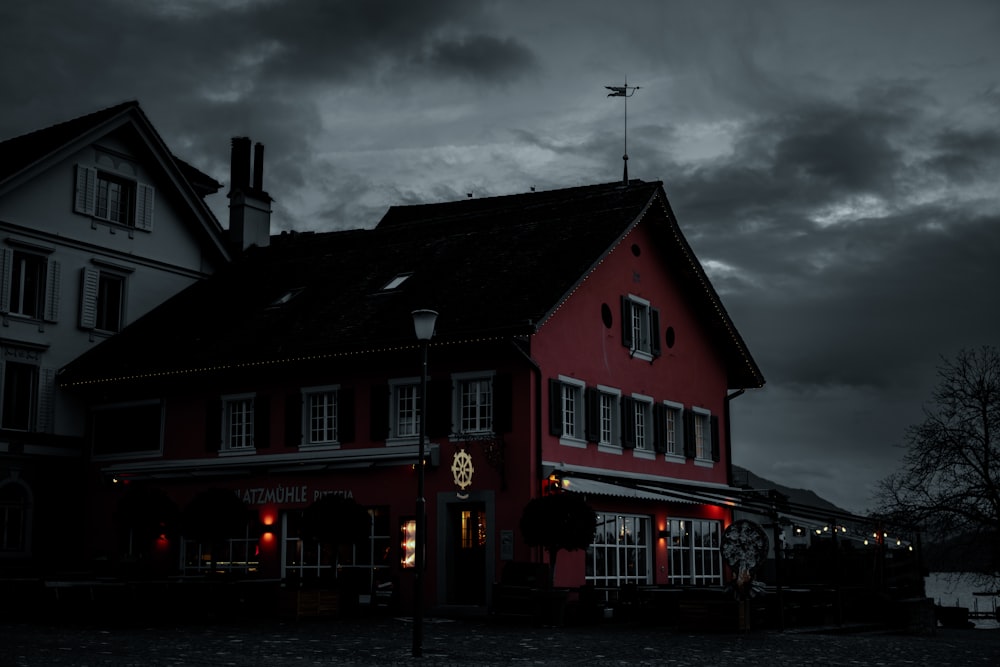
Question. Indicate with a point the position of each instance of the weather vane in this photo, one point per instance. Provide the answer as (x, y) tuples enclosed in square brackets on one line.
[(625, 91)]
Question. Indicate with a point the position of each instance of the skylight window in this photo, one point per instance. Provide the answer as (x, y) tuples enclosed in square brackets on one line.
[(396, 282), (286, 297)]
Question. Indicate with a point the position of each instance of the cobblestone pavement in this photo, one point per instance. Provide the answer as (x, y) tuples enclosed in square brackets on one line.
[(388, 641)]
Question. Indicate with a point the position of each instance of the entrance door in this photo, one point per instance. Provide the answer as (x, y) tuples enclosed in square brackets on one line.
[(466, 548)]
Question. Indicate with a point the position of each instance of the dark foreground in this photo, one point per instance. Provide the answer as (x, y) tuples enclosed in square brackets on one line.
[(388, 641)]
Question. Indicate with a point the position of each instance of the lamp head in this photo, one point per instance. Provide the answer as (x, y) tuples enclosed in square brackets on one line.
[(423, 323)]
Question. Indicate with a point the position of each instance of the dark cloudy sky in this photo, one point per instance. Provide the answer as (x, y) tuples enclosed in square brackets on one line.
[(835, 165)]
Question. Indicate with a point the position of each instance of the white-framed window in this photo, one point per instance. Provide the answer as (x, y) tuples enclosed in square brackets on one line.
[(640, 327), (621, 551), (30, 282), (321, 415), (567, 411), (237, 422), (236, 554), (608, 416), (695, 552), (642, 419), (474, 402), (113, 198), (305, 560), (404, 411), (673, 430), (701, 421)]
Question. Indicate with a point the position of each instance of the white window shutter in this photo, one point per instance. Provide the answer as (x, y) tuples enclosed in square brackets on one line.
[(6, 259), (88, 298), (86, 190), (144, 207), (46, 400), (52, 291)]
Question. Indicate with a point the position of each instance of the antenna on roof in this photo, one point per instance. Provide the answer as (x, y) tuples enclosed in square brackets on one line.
[(625, 91)]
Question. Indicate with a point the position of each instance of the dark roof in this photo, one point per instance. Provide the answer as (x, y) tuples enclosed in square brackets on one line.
[(19, 153), (493, 268)]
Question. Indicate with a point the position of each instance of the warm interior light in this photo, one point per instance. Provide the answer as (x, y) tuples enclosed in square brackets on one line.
[(409, 543)]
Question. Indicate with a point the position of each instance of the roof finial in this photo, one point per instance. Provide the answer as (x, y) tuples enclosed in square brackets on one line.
[(625, 91)]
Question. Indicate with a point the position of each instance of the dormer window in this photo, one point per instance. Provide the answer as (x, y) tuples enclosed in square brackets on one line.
[(396, 282)]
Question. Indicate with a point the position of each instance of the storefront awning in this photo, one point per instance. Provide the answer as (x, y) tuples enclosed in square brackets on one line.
[(591, 486)]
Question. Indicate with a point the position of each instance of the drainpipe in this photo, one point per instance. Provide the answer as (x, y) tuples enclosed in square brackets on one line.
[(729, 440), (537, 372)]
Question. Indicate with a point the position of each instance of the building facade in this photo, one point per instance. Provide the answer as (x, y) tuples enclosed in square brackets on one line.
[(99, 223), (579, 348)]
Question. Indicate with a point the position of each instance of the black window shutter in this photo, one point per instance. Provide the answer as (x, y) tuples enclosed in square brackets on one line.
[(659, 427), (689, 445), (439, 408), (213, 426), (378, 411), (592, 414), (345, 414), (628, 422), (714, 425), (555, 407), (503, 403), (293, 419), (262, 422), (654, 332), (626, 322)]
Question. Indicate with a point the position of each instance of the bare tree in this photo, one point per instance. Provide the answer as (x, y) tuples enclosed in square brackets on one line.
[(949, 484)]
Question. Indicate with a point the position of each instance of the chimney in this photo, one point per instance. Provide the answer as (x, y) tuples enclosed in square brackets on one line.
[(249, 205)]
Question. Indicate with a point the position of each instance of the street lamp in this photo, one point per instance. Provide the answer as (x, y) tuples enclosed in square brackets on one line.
[(423, 326)]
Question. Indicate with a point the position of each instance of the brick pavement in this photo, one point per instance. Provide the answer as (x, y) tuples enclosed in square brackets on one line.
[(388, 641)]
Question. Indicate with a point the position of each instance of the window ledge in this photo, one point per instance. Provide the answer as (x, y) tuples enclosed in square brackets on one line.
[(316, 446), (572, 442), (239, 451), (704, 463), (641, 354), (674, 458), (408, 440), (610, 449), (644, 454)]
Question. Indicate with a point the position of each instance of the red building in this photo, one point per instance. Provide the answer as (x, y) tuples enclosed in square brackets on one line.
[(579, 344)]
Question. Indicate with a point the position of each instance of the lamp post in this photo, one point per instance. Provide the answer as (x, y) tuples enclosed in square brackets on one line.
[(423, 326)]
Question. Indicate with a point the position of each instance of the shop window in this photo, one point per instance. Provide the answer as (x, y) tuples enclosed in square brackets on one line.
[(235, 555), (640, 327), (694, 551), (567, 410), (369, 559), (621, 551)]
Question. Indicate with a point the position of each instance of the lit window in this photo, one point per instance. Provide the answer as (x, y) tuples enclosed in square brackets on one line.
[(695, 552), (640, 327), (620, 553)]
